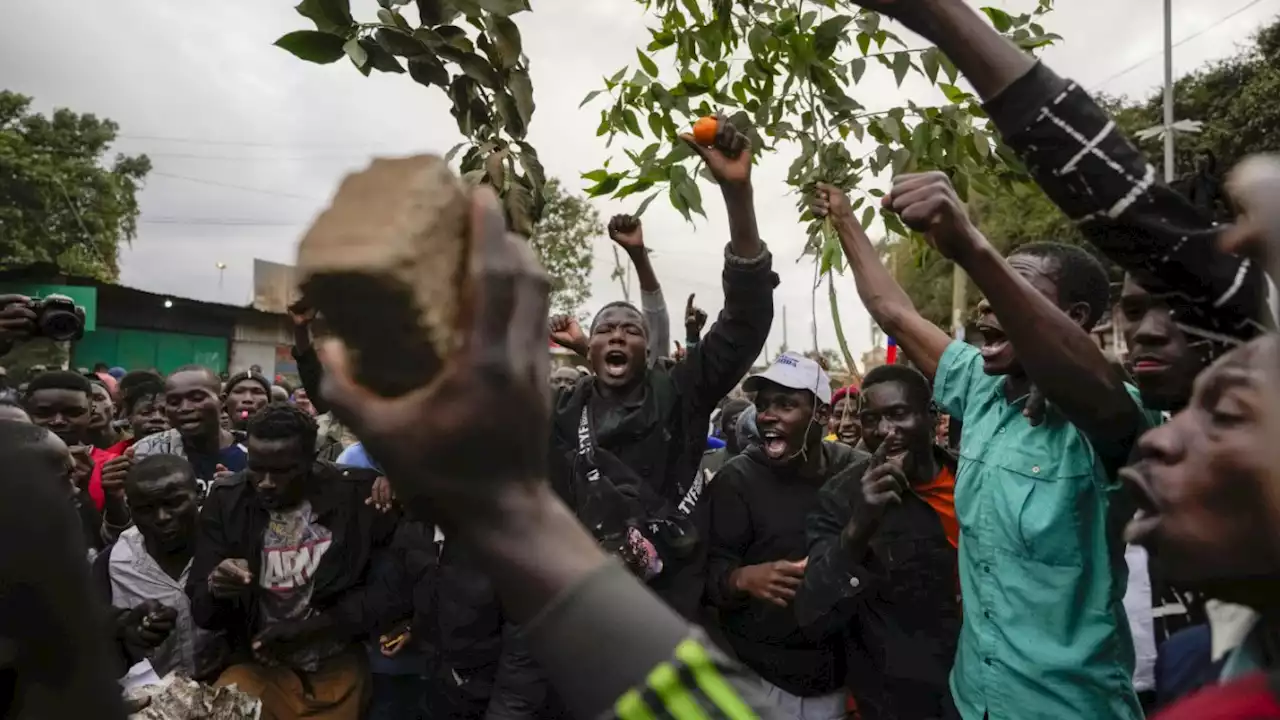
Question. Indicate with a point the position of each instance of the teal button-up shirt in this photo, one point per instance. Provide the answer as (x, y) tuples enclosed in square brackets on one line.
[(1042, 569)]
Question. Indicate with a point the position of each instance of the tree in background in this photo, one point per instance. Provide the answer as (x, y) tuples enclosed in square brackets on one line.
[(61, 201), (482, 68), (562, 239), (786, 72)]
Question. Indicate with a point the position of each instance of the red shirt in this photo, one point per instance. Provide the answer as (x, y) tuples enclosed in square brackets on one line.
[(1250, 698), (100, 458)]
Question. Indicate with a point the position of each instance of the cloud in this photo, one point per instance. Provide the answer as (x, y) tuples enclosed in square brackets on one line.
[(268, 137)]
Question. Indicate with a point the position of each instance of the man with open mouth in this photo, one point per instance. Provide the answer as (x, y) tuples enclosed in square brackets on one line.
[(194, 410), (626, 443), (1204, 511), (759, 503), (1036, 500)]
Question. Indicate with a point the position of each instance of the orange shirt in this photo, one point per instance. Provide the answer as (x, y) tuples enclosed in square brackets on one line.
[(941, 496)]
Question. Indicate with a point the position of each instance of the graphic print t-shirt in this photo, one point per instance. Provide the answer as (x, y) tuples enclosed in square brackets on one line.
[(232, 457), (292, 547)]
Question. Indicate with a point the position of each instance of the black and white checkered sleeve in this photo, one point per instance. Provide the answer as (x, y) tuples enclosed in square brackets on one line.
[(1087, 166)]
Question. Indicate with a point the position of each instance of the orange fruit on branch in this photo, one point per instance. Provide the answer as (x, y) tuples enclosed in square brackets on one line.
[(705, 129)]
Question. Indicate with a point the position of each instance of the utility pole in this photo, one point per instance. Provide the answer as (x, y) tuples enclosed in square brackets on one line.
[(959, 299), (1168, 92), (784, 328)]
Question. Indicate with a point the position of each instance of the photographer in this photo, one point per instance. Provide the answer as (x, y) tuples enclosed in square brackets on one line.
[(17, 321)]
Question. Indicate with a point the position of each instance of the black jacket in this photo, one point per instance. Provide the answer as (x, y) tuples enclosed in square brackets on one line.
[(758, 515), (661, 441), (897, 607), (476, 667), (232, 523)]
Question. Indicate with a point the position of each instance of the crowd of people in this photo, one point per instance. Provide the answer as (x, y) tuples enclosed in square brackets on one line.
[(1011, 529)]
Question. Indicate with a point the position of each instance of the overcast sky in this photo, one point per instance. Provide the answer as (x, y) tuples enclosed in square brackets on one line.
[(248, 142)]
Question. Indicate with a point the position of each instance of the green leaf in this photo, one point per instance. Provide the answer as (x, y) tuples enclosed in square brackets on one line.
[(632, 123), (882, 155), (357, 53), (378, 58), (386, 18), (901, 66), (506, 39), (999, 18), (313, 46), (428, 70), (533, 170), (893, 223), (868, 216), (953, 93), (827, 35), (644, 204), (678, 202), (399, 43), (892, 128), (521, 88), (519, 206), (479, 69), (692, 195), (857, 67), (590, 96), (596, 176), (864, 42), (453, 151), (604, 187), (981, 148), (929, 59), (503, 7), (330, 16), (648, 65), (510, 113)]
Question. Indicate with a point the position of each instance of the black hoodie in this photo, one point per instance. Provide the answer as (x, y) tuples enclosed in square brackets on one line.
[(652, 453), (758, 515)]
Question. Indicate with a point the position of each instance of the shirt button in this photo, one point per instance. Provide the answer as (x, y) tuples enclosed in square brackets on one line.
[(986, 614), (987, 661), (986, 568), (1035, 468), (1001, 430), (854, 582)]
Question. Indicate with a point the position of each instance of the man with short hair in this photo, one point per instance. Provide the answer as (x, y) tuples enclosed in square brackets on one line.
[(193, 408), (882, 556), (626, 444), (61, 402), (246, 392), (714, 459), (759, 502), (102, 431), (282, 566), (144, 573), (1042, 567)]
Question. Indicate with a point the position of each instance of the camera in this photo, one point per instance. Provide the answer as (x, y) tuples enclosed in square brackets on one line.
[(58, 318)]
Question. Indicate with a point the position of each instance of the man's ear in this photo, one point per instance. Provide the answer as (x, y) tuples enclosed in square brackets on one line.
[(1080, 313)]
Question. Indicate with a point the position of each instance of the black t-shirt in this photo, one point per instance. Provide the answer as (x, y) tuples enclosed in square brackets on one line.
[(233, 458)]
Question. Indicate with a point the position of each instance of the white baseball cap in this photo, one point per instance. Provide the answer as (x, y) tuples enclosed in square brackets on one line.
[(797, 372)]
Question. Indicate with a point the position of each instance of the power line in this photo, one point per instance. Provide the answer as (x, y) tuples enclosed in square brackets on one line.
[(247, 143), (233, 222), (252, 158), (230, 186), (1181, 42)]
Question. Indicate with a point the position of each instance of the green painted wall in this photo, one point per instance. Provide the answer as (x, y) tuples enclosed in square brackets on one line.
[(143, 350)]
